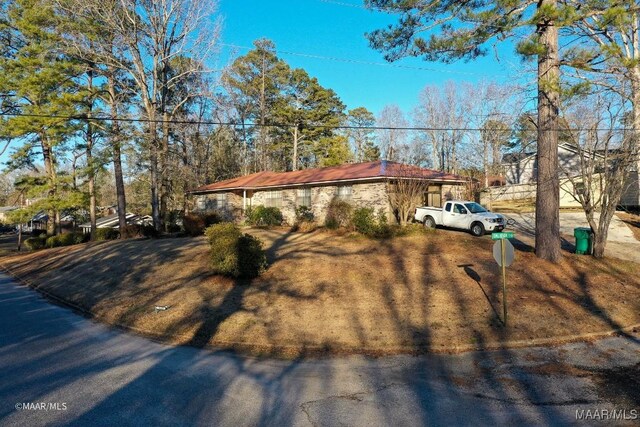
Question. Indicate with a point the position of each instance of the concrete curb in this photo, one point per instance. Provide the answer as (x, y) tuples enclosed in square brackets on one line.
[(277, 351)]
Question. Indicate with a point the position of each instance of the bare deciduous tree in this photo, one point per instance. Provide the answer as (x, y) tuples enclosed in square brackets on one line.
[(145, 38), (393, 137), (406, 191), (605, 157)]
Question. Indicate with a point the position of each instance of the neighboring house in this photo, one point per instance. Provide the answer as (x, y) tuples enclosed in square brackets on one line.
[(111, 221), (521, 170), (631, 196), (361, 184), (39, 221)]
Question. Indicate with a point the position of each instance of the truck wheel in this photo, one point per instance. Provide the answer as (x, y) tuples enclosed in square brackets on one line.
[(477, 229), (429, 222)]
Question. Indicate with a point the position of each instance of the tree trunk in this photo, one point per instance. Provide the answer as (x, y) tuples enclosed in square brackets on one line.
[(153, 169), (92, 191), (91, 169), (634, 146), (599, 244), (485, 160), (117, 157), (434, 153), (295, 149), (50, 172), (120, 191), (548, 184), (164, 172), (19, 237)]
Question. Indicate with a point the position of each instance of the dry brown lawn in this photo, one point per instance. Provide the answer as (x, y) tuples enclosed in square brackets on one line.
[(325, 292)]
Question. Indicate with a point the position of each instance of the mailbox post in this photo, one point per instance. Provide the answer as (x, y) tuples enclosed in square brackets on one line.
[(503, 253)]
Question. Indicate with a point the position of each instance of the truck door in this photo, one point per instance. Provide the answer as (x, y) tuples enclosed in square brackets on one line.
[(459, 216)]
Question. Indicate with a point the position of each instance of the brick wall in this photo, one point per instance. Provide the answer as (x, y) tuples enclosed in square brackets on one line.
[(371, 195)]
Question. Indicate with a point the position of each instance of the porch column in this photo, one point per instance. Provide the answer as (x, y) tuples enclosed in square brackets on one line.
[(244, 200)]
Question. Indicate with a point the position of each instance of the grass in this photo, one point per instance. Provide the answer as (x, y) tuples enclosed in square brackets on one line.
[(329, 293), (514, 206)]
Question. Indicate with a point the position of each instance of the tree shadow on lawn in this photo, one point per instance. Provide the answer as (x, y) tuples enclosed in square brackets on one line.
[(169, 383), (494, 289)]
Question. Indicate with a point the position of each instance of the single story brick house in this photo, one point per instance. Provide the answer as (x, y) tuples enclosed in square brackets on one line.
[(361, 184)]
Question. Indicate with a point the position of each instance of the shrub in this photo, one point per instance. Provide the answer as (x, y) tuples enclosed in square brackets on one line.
[(384, 229), (66, 239), (233, 253), (38, 233), (137, 230), (304, 214), (107, 234), (304, 220), (263, 216), (131, 231), (338, 214), (364, 221), (195, 223), (53, 242), (171, 228), (304, 227), (150, 231), (80, 238), (35, 243)]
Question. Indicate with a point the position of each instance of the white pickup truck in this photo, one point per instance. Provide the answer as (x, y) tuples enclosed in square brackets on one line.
[(462, 215)]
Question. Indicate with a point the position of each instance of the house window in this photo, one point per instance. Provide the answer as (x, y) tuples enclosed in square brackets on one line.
[(344, 192), (433, 197), (220, 201), (201, 203), (579, 188), (273, 199), (303, 197)]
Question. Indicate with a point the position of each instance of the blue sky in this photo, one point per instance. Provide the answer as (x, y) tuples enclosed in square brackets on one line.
[(336, 29)]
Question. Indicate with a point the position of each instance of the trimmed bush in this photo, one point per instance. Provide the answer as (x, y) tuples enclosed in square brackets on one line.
[(233, 253), (338, 214), (35, 243), (106, 234), (262, 216), (195, 223), (66, 239)]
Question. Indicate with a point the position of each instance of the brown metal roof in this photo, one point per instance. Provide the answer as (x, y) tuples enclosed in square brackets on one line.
[(380, 169)]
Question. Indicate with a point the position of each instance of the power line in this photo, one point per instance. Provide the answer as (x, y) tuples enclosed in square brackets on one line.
[(291, 125), (359, 61)]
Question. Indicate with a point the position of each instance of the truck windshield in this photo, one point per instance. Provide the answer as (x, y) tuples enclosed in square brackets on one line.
[(475, 208)]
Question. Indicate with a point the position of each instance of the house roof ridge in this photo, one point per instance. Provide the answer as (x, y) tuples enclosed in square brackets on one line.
[(339, 173)]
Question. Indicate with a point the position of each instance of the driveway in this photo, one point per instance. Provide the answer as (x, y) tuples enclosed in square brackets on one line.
[(87, 374), (621, 243)]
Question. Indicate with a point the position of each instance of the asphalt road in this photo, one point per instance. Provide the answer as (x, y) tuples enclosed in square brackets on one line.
[(59, 368)]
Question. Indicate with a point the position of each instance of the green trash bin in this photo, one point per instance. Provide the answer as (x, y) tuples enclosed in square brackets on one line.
[(583, 240)]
